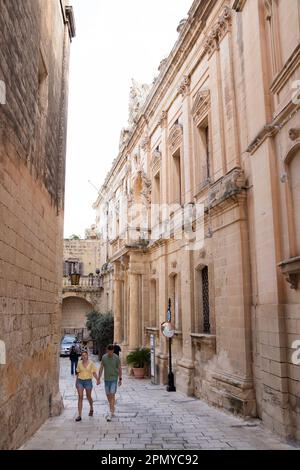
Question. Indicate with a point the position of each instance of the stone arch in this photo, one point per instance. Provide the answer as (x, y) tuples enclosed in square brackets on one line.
[(292, 169), (74, 311)]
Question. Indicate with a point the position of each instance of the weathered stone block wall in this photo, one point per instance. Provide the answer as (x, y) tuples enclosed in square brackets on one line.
[(86, 251), (33, 64)]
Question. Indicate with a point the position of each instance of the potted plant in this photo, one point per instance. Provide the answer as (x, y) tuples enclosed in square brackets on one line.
[(139, 359)]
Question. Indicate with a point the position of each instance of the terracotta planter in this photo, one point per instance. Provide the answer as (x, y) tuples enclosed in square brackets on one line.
[(139, 373)]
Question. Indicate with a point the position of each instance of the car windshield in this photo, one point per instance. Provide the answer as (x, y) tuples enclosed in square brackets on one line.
[(68, 341)]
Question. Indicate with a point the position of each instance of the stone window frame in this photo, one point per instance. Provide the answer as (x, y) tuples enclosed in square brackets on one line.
[(175, 146), (154, 322), (273, 36), (172, 275), (292, 236), (201, 113), (197, 323)]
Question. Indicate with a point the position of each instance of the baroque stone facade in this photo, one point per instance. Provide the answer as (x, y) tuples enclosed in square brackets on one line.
[(35, 41), (220, 127)]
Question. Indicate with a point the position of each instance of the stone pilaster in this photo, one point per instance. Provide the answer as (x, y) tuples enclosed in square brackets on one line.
[(133, 311), (187, 122)]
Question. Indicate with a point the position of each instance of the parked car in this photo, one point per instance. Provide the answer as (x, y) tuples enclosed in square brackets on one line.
[(66, 344)]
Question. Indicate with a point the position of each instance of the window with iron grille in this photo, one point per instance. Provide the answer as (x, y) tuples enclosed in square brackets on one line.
[(205, 300)]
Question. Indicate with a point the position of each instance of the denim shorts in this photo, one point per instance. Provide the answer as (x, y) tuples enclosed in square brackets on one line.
[(84, 384), (111, 387)]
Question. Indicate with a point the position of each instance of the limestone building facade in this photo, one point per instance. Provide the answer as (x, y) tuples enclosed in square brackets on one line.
[(82, 257), (218, 129), (35, 38)]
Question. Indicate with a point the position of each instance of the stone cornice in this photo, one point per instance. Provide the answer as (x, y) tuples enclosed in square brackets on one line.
[(291, 64), (218, 32), (270, 130)]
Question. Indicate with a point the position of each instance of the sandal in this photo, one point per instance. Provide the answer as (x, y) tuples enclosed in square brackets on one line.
[(91, 413), (78, 419)]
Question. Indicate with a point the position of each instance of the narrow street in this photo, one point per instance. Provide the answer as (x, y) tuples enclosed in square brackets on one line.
[(147, 417)]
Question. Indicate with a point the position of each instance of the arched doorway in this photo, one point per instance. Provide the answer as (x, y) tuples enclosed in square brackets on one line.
[(74, 311)]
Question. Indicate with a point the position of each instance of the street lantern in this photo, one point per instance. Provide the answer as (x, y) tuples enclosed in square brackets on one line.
[(75, 279), (169, 332)]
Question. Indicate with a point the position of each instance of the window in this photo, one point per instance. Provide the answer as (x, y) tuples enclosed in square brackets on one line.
[(175, 307), (177, 184), (205, 300), (71, 267), (273, 37), (153, 304), (203, 151)]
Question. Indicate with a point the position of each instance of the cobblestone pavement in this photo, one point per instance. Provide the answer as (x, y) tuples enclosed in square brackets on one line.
[(147, 417)]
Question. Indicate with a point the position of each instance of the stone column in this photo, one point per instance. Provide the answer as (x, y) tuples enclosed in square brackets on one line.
[(117, 311), (185, 366), (134, 311)]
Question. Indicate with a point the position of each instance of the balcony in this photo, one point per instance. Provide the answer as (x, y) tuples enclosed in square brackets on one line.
[(85, 283)]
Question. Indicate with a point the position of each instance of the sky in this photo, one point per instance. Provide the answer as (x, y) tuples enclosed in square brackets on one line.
[(116, 40)]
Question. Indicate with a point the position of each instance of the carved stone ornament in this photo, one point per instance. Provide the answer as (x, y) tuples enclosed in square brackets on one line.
[(184, 86), (294, 134), (231, 184), (137, 98), (156, 161), (124, 137), (291, 271), (162, 65), (218, 32), (181, 25), (145, 144), (174, 264), (162, 122), (175, 137), (201, 106)]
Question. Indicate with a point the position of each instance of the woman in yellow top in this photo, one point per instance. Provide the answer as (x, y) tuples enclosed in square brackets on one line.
[(85, 372)]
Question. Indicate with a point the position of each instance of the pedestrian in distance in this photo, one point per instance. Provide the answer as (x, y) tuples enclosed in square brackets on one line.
[(111, 365), (117, 349), (74, 359), (86, 370)]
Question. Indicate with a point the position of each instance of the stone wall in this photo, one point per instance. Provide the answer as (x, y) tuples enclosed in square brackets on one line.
[(34, 66)]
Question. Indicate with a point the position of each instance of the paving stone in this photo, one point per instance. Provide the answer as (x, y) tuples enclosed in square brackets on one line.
[(146, 418)]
